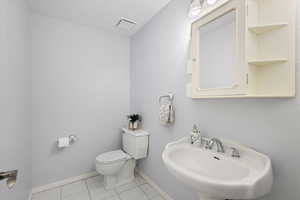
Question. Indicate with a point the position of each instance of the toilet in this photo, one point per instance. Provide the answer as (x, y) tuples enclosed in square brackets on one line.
[(118, 166)]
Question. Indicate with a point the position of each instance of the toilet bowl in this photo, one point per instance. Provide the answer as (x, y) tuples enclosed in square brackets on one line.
[(111, 162), (118, 166)]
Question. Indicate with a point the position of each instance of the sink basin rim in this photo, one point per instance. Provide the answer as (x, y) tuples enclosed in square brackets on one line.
[(241, 189), (196, 177)]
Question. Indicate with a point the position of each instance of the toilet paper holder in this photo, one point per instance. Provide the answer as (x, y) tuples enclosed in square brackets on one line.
[(72, 139)]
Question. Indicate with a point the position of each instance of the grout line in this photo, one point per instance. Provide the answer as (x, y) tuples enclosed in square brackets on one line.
[(61, 183), (60, 193), (137, 186), (158, 194), (144, 193), (48, 190), (118, 194), (125, 190), (88, 189), (162, 193)]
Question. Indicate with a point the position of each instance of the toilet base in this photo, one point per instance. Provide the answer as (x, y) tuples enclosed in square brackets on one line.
[(125, 175)]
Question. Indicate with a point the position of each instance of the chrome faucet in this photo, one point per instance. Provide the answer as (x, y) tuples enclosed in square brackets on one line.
[(235, 153), (211, 142)]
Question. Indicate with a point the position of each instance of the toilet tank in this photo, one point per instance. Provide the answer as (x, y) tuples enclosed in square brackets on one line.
[(135, 143)]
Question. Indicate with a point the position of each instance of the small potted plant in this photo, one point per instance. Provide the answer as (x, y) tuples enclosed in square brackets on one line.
[(134, 121)]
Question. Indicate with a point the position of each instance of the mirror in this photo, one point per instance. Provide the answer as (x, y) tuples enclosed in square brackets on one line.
[(217, 52), (219, 65)]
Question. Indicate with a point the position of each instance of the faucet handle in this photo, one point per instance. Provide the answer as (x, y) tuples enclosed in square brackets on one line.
[(204, 141), (235, 152)]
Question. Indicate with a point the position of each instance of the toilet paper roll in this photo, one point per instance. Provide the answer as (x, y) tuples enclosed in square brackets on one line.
[(63, 142)]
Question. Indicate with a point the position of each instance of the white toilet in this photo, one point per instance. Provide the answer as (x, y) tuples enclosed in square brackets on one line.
[(118, 166)]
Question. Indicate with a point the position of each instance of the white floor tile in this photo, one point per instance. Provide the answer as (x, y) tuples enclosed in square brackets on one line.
[(158, 198), (95, 182), (134, 194), (79, 196), (76, 187), (93, 189), (75, 191), (149, 191), (139, 180), (125, 187), (113, 198), (97, 190), (100, 193), (53, 194)]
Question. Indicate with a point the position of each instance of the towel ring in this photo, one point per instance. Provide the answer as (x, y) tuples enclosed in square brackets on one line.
[(170, 96)]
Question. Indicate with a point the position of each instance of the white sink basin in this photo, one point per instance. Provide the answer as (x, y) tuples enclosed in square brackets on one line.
[(217, 175)]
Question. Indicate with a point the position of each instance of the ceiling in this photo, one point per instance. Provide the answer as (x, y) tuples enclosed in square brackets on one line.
[(100, 13)]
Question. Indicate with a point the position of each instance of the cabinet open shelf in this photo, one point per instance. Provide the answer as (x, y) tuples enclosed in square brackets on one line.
[(248, 96), (260, 29), (263, 62)]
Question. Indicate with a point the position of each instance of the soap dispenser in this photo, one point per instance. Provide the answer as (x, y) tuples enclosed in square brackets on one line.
[(195, 134)]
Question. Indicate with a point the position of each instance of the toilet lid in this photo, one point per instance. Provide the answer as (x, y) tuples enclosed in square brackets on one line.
[(112, 156)]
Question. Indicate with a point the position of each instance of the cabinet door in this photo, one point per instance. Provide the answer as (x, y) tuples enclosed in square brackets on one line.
[(218, 52)]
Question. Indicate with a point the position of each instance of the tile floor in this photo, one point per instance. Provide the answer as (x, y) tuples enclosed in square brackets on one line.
[(93, 189)]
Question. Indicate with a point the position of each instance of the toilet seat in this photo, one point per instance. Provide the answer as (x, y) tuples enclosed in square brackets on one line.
[(112, 156)]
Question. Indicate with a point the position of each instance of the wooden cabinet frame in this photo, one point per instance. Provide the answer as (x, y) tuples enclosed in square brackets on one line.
[(266, 49)]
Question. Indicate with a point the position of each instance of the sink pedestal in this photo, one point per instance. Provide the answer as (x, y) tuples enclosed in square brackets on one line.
[(201, 197)]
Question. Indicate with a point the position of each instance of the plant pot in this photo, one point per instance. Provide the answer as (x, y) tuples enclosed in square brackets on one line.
[(133, 125)]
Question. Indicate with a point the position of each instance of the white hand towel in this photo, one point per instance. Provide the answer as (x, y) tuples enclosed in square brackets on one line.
[(166, 113)]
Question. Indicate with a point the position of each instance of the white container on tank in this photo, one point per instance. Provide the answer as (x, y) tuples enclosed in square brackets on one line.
[(135, 143)]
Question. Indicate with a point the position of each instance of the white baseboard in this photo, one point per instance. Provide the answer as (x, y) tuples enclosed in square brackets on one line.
[(63, 182), (165, 195), (30, 195), (92, 174)]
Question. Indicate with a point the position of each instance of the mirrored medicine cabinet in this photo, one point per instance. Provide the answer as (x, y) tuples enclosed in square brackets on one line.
[(243, 49)]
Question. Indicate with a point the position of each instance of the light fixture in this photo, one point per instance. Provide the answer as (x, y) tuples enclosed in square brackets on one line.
[(195, 8), (211, 2)]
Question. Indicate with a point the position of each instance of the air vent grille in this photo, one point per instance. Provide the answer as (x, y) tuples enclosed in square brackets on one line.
[(125, 24)]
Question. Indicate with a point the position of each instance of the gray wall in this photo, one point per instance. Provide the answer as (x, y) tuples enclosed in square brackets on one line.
[(158, 64), (15, 142), (80, 84)]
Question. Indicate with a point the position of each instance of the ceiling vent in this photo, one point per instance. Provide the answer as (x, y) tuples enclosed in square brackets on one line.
[(125, 24)]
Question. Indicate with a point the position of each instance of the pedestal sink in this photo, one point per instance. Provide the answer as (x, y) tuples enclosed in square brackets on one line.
[(216, 176)]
